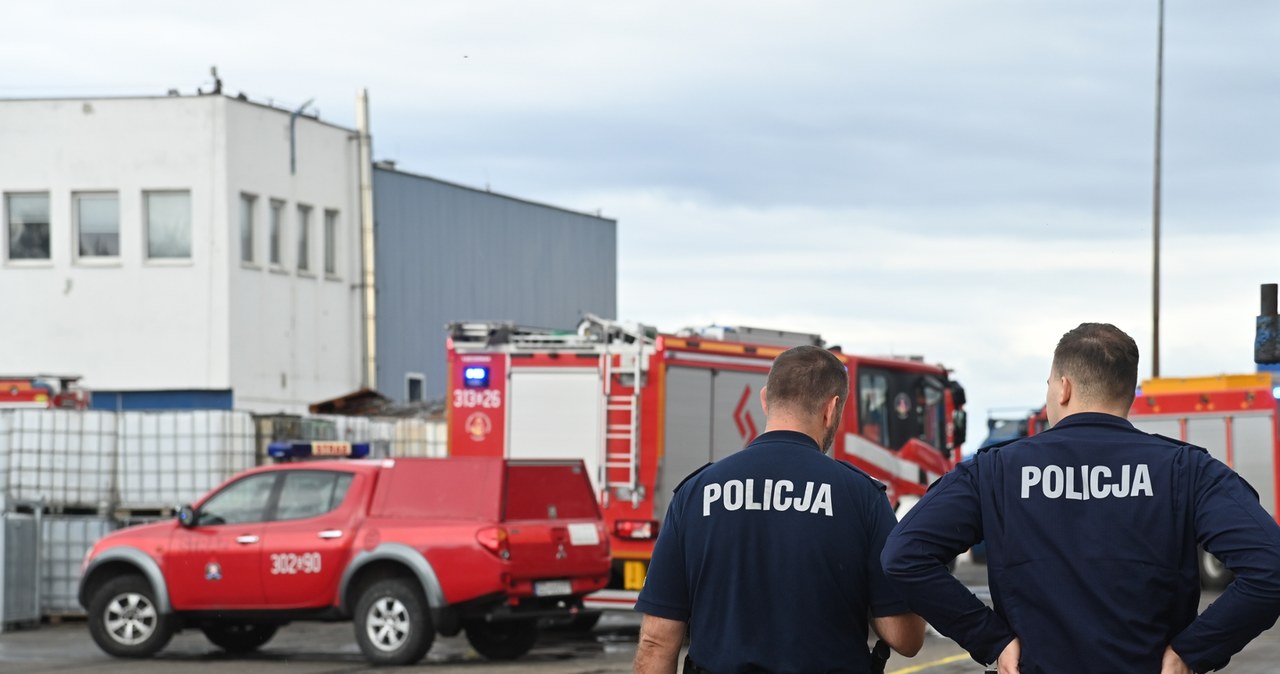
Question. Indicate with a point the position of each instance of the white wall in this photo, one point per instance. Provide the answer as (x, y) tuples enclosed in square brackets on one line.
[(294, 335), (278, 338), (133, 323)]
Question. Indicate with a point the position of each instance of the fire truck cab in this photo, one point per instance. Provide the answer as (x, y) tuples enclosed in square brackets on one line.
[(42, 391), (644, 409)]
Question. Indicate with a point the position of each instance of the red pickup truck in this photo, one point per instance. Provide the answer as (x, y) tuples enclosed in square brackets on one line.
[(406, 548)]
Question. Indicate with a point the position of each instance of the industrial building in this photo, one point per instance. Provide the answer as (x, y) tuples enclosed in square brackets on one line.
[(451, 253), (206, 252), (169, 251)]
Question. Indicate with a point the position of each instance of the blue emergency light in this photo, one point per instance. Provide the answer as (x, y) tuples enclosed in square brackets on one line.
[(475, 376), (292, 451)]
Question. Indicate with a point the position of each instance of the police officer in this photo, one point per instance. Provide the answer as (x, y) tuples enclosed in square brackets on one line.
[(1091, 530), (770, 557)]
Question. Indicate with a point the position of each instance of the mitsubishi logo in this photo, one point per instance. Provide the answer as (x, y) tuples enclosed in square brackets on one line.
[(742, 416)]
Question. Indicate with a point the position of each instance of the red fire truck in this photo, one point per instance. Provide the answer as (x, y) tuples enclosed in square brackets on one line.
[(644, 409), (1235, 418), (42, 392)]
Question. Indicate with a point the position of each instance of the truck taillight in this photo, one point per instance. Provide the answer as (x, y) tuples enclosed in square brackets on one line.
[(636, 530), (494, 539)]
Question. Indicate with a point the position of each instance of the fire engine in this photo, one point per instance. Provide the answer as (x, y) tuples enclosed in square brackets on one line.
[(42, 392), (644, 409), (1232, 416)]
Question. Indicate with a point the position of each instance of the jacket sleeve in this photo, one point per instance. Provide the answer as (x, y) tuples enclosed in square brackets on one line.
[(1231, 524), (945, 523)]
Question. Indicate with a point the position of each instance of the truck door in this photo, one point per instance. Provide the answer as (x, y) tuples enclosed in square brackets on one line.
[(709, 415), (216, 563), (556, 413), (306, 544)]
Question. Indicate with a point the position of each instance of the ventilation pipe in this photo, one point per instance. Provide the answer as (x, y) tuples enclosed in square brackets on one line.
[(369, 378)]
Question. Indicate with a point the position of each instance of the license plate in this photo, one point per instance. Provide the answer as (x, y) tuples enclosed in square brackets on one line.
[(583, 533), (552, 588), (633, 573)]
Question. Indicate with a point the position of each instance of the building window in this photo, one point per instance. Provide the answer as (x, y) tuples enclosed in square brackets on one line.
[(331, 242), (413, 385), (97, 224), (28, 218), (304, 237), (248, 205), (277, 223), (168, 225)]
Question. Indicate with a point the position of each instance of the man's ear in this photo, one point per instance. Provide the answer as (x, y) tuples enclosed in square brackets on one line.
[(829, 413), (764, 399), (1064, 392)]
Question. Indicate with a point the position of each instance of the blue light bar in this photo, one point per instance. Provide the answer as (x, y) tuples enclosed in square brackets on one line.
[(475, 376), (289, 451)]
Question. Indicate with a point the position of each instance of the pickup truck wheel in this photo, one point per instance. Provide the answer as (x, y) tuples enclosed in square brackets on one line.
[(393, 626), (506, 640), (125, 621), (238, 637)]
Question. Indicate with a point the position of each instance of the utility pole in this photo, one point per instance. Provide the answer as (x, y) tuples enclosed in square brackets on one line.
[(1155, 202)]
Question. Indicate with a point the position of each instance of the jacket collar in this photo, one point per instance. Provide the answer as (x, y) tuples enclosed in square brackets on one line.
[(1092, 419)]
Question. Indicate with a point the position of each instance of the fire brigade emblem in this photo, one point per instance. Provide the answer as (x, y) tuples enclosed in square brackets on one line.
[(479, 426), (213, 571)]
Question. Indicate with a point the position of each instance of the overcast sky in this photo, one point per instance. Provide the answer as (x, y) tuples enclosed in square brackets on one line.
[(962, 180)]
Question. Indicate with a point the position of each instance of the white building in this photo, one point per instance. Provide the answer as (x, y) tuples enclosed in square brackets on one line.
[(163, 249)]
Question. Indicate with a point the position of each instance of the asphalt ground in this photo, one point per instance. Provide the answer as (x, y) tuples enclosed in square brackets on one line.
[(329, 648)]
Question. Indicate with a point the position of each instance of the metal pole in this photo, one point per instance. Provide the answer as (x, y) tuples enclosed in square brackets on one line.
[(369, 371), (1155, 202)]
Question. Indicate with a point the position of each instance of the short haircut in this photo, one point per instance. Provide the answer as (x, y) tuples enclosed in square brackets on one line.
[(1101, 360), (804, 378)]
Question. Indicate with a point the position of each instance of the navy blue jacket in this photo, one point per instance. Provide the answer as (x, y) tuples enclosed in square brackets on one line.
[(772, 555), (1091, 531)]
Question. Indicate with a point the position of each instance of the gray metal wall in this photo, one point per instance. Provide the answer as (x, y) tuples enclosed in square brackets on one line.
[(451, 253)]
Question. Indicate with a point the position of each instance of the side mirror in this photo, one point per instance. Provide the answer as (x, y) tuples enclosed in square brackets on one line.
[(961, 420), (187, 516)]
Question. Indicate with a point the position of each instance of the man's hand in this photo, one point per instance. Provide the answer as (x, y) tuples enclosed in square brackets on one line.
[(1172, 663), (1009, 657)]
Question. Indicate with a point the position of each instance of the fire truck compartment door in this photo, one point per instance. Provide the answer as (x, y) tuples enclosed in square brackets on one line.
[(556, 413), (709, 415), (1253, 444)]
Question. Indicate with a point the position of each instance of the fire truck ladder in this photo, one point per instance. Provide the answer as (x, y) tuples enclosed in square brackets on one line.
[(625, 430)]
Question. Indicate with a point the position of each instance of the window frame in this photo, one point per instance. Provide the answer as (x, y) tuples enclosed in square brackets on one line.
[(275, 234), (268, 506), (421, 379), (94, 260), (868, 378), (273, 514), (251, 200), (146, 230), (7, 240), (330, 235), (303, 263)]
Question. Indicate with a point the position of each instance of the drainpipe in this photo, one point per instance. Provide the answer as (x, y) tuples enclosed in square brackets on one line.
[(369, 378), (293, 138)]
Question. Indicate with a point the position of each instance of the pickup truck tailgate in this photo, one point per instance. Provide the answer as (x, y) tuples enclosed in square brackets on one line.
[(553, 525)]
